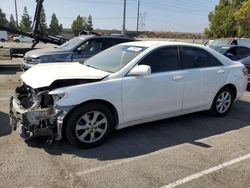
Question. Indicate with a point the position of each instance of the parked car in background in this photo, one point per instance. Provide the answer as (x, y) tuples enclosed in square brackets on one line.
[(125, 85), (208, 42), (3, 36), (237, 53), (217, 43), (22, 38), (234, 53), (246, 62), (77, 49)]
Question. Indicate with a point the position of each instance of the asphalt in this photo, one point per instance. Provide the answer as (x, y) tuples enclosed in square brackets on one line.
[(149, 155)]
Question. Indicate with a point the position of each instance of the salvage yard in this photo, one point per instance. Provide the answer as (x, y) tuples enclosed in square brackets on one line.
[(196, 150)]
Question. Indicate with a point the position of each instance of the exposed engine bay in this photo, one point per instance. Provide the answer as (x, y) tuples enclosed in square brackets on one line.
[(34, 113)]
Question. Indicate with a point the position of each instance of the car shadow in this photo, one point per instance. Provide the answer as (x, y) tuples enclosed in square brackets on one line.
[(5, 128), (150, 137)]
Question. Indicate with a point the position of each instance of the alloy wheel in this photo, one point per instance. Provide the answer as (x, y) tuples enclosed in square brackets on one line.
[(91, 127), (223, 102)]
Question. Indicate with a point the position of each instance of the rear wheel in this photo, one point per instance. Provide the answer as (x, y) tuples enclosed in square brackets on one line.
[(222, 102), (17, 41), (89, 125)]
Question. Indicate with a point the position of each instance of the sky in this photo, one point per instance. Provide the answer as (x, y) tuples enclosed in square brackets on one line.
[(155, 15)]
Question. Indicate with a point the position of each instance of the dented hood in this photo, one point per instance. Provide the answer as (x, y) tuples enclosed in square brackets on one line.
[(43, 75)]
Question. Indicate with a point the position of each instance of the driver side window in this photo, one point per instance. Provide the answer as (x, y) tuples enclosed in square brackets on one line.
[(94, 46), (162, 60)]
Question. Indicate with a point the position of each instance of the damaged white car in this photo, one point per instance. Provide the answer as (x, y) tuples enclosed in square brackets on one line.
[(128, 84)]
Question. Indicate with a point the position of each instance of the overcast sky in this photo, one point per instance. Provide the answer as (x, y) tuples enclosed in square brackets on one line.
[(156, 15)]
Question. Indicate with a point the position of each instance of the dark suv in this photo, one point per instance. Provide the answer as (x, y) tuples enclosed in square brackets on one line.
[(77, 49)]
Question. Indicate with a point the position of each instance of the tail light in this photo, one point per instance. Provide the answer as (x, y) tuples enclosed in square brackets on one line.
[(245, 71)]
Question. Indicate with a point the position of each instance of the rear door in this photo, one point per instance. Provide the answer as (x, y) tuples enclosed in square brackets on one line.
[(203, 76)]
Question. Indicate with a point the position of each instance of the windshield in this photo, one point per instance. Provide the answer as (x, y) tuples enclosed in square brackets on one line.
[(221, 42), (115, 58), (71, 44)]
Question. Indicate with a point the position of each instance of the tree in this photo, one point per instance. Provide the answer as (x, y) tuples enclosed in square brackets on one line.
[(89, 25), (3, 20), (78, 25), (242, 16), (55, 28), (25, 24), (12, 22), (222, 22), (43, 24)]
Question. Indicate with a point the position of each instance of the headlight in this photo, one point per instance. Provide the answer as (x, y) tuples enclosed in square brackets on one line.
[(57, 97), (34, 61)]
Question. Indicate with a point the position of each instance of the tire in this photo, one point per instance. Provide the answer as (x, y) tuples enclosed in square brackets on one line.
[(2, 40), (17, 41), (222, 102), (88, 120)]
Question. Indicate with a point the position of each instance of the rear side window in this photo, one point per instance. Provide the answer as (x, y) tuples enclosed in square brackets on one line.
[(162, 60), (243, 52), (197, 58)]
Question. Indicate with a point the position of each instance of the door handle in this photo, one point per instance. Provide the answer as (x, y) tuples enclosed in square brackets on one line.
[(176, 78), (220, 71)]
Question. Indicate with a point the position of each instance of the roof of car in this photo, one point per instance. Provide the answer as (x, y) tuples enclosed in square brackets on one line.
[(149, 44), (106, 36)]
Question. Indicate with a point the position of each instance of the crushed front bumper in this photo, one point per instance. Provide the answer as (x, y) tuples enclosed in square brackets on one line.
[(36, 122)]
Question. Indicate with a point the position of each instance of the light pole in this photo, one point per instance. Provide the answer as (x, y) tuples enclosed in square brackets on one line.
[(16, 14), (124, 18), (138, 13)]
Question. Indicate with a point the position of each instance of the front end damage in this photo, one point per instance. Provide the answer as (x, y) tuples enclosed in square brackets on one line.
[(34, 113)]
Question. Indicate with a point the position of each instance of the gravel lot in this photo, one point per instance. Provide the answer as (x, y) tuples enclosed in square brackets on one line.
[(195, 150)]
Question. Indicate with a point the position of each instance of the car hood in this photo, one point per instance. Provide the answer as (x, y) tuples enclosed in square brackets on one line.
[(44, 75), (45, 51)]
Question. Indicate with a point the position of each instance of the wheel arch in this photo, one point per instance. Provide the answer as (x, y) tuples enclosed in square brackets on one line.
[(232, 87), (109, 105)]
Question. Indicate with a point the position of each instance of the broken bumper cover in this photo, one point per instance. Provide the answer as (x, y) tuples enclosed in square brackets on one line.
[(37, 122)]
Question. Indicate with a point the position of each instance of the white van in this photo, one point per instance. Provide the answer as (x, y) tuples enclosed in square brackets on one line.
[(3, 36)]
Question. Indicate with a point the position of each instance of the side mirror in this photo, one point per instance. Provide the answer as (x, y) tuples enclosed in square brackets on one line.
[(79, 50), (140, 70)]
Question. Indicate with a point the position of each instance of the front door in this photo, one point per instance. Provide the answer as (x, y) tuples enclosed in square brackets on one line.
[(157, 94)]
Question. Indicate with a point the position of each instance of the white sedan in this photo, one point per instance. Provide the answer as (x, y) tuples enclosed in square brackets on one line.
[(22, 38), (125, 85)]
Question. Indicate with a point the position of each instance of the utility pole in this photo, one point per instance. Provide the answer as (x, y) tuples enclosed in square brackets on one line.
[(16, 14), (124, 18), (138, 13)]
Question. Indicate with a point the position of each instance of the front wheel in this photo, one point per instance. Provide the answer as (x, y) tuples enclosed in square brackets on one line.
[(222, 102), (2, 40), (89, 125)]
